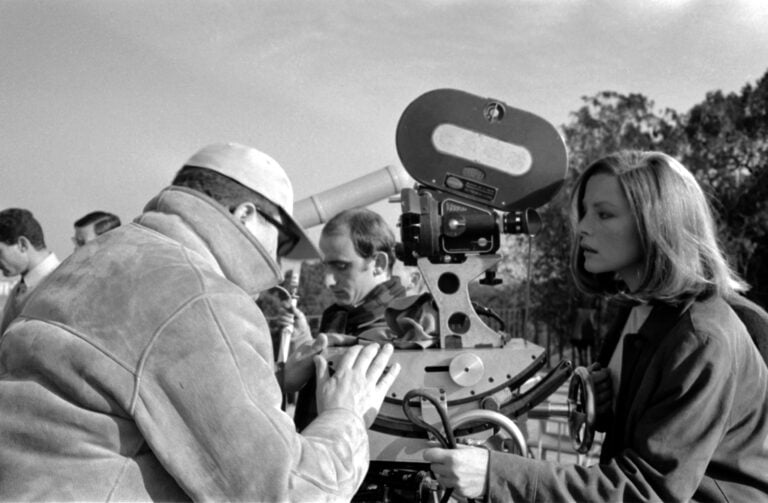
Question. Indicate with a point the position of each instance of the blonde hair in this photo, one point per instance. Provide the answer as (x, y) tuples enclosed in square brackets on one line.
[(682, 258)]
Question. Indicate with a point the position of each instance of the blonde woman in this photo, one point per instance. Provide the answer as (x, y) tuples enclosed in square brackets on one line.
[(689, 416)]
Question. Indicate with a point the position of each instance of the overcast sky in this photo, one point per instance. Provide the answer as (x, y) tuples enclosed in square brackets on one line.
[(102, 101)]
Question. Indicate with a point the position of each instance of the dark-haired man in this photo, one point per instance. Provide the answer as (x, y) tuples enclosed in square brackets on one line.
[(145, 371), (93, 225), (22, 252), (358, 250)]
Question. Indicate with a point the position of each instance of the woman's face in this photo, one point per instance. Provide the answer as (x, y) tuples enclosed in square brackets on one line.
[(607, 231)]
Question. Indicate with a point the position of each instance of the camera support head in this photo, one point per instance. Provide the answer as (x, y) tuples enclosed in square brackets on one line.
[(481, 168)]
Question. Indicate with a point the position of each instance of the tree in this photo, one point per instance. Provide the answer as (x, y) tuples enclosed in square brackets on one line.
[(727, 150)]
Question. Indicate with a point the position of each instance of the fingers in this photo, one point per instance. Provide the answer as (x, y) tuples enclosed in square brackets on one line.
[(439, 463), (379, 364), (602, 381), (320, 343), (285, 320), (372, 359), (335, 339), (389, 376), (321, 368), (435, 455), (465, 470), (349, 358)]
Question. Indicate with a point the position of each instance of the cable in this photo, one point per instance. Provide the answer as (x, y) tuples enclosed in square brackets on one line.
[(447, 441)]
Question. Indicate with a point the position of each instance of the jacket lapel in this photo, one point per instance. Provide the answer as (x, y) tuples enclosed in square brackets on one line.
[(638, 350)]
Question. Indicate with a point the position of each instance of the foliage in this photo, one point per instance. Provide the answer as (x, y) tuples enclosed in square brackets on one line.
[(610, 121), (727, 149)]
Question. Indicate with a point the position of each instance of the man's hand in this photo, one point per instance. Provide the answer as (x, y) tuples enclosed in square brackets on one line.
[(300, 364), (289, 316), (359, 383), (336, 339), (601, 378), (465, 469)]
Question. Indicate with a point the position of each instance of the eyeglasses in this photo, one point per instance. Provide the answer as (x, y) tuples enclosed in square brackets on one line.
[(286, 238)]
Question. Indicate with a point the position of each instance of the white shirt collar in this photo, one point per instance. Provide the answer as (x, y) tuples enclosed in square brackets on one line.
[(40, 271)]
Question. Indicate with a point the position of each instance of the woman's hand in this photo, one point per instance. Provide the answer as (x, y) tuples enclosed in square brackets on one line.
[(601, 378), (465, 469)]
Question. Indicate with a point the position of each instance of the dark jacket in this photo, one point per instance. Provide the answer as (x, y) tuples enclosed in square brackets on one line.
[(691, 421), (755, 319), (348, 320)]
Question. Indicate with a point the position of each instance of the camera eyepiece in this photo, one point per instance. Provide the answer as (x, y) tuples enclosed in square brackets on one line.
[(522, 222)]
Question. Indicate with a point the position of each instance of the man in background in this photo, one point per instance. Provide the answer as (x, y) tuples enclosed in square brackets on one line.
[(358, 249), (22, 253), (92, 225), (145, 370)]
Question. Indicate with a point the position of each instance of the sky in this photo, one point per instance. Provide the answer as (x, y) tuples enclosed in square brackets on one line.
[(101, 101)]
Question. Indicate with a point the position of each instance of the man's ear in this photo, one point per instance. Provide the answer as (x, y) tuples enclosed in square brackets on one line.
[(244, 212), (380, 263), (23, 243)]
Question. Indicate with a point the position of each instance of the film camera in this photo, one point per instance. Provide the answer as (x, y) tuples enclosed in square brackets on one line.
[(481, 168)]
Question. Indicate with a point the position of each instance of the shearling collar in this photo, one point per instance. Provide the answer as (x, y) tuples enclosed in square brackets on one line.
[(201, 224)]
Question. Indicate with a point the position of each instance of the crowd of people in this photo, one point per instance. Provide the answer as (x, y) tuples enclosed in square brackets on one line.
[(140, 368)]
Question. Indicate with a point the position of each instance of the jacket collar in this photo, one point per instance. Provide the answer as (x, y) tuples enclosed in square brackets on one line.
[(662, 318), (204, 226), (40, 271)]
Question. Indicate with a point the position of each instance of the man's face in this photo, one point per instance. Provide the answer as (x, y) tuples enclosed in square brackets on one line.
[(349, 276), (261, 228), (83, 235), (13, 259)]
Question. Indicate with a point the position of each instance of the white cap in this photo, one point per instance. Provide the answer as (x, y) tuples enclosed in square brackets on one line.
[(262, 174)]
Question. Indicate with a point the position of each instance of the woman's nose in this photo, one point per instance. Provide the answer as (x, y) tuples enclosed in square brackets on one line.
[(583, 226)]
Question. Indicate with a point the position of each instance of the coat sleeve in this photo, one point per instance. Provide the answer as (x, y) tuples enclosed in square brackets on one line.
[(674, 439), (208, 405)]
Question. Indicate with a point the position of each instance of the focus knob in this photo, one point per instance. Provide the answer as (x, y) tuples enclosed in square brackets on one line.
[(466, 369)]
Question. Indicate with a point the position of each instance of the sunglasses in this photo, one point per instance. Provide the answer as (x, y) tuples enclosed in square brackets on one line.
[(286, 239)]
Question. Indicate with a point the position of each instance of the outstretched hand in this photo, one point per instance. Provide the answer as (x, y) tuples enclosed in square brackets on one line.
[(360, 380), (300, 364)]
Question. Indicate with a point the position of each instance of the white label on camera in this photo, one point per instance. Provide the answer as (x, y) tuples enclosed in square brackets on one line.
[(482, 149)]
